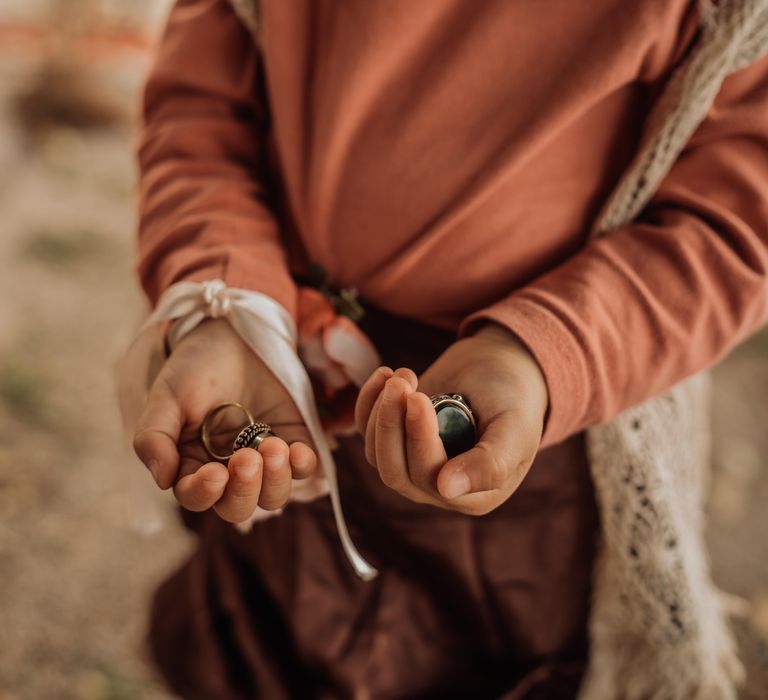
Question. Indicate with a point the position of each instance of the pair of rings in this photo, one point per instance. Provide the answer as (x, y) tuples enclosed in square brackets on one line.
[(455, 421), (251, 435)]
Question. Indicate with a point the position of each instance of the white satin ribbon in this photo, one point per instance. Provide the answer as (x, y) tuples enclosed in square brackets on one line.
[(269, 330)]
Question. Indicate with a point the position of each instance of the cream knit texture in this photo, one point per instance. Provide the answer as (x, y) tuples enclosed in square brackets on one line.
[(658, 625)]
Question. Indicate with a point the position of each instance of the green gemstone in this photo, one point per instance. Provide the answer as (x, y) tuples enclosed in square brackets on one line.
[(456, 430)]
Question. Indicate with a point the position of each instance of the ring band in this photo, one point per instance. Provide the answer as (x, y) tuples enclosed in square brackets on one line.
[(205, 428), (456, 423), (252, 435)]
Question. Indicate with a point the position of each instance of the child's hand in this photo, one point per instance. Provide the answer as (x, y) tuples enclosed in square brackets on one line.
[(212, 365), (508, 395)]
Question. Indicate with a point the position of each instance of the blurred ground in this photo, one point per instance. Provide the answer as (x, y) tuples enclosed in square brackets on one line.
[(84, 536)]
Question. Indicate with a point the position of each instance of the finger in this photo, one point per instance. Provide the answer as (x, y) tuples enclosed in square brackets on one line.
[(276, 481), (496, 460), (303, 460), (370, 432), (201, 489), (425, 453), (409, 375), (241, 495), (157, 434), (367, 396), (390, 434)]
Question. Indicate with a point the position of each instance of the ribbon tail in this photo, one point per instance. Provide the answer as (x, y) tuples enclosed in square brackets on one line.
[(181, 299), (285, 364)]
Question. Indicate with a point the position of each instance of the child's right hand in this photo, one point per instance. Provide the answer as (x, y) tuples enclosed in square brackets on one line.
[(211, 365)]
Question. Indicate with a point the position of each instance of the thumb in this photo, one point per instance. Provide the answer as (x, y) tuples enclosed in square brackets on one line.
[(157, 434), (500, 459)]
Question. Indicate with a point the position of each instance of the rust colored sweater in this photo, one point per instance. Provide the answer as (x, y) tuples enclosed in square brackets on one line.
[(447, 157)]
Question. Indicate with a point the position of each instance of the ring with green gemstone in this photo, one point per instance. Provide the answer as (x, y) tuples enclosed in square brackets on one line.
[(456, 423)]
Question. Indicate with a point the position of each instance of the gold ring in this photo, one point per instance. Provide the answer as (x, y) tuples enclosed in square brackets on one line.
[(205, 428)]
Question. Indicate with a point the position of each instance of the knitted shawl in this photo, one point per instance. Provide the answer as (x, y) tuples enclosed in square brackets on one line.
[(658, 626)]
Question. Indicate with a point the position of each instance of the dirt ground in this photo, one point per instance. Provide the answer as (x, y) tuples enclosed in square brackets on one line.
[(84, 535)]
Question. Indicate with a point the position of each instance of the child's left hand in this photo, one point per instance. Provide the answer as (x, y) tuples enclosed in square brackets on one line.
[(509, 398)]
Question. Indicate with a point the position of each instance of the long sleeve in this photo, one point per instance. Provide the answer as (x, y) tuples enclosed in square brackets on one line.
[(204, 193), (671, 293)]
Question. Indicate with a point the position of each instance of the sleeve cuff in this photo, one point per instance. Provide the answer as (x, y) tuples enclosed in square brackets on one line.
[(557, 351)]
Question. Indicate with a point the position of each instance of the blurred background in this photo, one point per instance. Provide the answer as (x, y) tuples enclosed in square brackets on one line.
[(84, 535)]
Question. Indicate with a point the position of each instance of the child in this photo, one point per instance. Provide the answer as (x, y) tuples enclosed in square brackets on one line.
[(446, 159)]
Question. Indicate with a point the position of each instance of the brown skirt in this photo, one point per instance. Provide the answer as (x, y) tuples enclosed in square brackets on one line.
[(463, 607)]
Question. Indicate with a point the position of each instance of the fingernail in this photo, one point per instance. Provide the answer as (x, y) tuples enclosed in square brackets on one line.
[(246, 472), (386, 371), (214, 484), (413, 410), (154, 469), (393, 390), (274, 461), (458, 484)]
